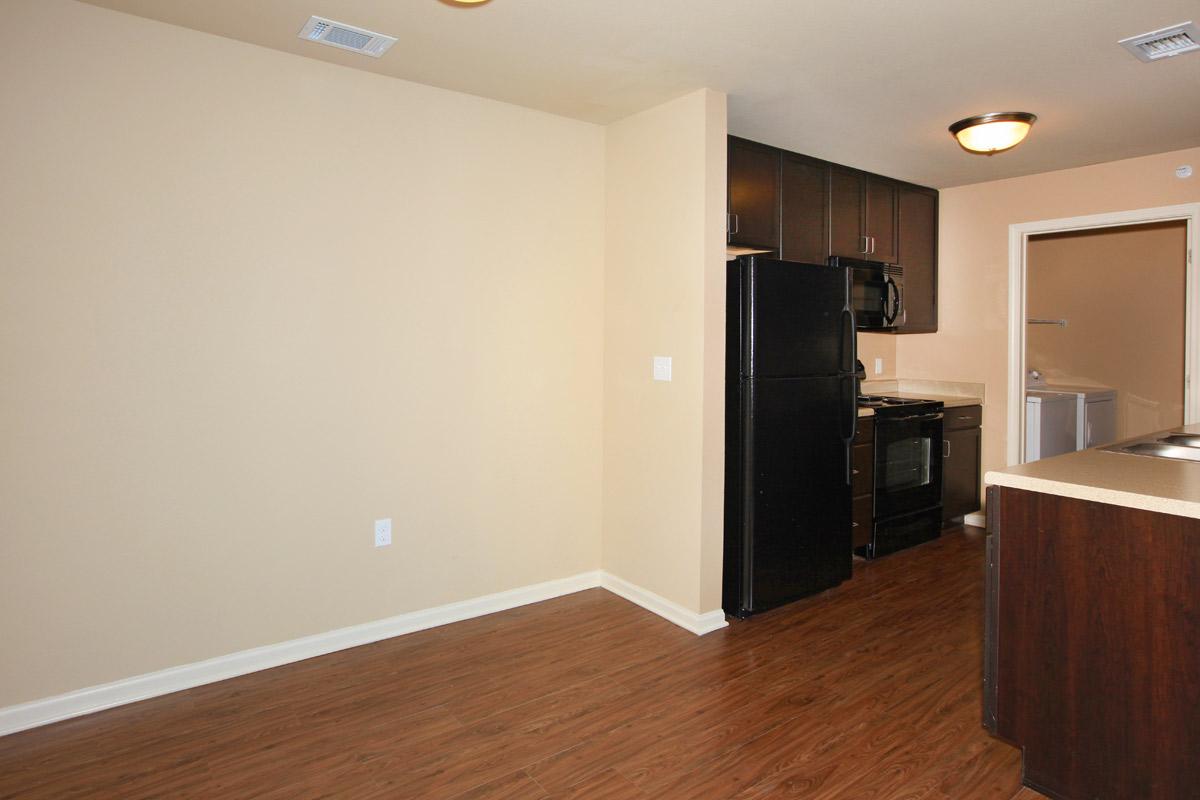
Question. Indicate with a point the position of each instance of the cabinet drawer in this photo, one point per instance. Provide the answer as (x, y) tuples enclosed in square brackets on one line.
[(862, 462), (866, 431), (960, 417), (861, 517)]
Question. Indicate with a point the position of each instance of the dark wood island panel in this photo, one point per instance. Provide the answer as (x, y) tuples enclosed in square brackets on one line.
[(1092, 651)]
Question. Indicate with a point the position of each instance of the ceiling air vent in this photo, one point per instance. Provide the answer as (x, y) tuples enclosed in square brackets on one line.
[(347, 37), (1164, 43)]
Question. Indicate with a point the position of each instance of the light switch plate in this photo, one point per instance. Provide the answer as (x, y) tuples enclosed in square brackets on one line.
[(662, 368), (879, 366)]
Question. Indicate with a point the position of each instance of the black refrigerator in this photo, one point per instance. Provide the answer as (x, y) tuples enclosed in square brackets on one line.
[(791, 413)]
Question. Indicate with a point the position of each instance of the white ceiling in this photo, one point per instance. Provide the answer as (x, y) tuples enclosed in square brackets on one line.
[(869, 83)]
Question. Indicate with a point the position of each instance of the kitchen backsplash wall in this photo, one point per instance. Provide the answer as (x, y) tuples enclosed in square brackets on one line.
[(878, 345)]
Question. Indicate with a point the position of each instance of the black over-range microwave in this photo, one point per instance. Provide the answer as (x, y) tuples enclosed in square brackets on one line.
[(877, 292)]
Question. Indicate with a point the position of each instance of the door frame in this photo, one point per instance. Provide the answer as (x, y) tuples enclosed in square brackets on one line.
[(1018, 241)]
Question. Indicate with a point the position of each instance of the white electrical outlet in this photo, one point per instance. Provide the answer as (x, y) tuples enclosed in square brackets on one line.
[(383, 532), (879, 366), (662, 368)]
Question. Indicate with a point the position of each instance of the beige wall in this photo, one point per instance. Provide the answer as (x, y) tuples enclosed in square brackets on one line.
[(878, 345), (249, 303), (1122, 292), (664, 289), (972, 339)]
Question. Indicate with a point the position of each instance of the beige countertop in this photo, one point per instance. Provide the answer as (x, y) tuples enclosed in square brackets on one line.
[(1122, 479), (866, 412)]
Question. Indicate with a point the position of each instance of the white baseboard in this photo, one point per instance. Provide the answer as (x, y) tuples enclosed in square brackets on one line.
[(978, 519), (174, 679), (698, 624), (141, 687)]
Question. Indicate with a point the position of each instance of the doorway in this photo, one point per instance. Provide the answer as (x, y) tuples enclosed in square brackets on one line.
[(1103, 312)]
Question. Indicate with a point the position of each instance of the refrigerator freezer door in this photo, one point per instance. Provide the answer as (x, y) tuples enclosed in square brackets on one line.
[(796, 326), (794, 531)]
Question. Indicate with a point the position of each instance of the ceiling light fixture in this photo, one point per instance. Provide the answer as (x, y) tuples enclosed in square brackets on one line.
[(994, 132)]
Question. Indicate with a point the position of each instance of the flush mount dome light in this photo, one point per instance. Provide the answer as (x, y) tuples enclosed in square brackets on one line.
[(994, 132)]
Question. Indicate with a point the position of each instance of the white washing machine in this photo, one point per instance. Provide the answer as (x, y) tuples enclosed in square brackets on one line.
[(1050, 424), (1095, 413)]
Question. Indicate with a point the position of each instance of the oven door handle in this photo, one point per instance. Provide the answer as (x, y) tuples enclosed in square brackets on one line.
[(922, 417)]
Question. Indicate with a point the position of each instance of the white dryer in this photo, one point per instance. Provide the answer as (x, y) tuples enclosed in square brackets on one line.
[(1050, 424), (1095, 413)]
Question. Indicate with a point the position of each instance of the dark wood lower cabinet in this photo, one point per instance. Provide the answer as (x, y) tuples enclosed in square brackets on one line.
[(1092, 651), (862, 463), (961, 465)]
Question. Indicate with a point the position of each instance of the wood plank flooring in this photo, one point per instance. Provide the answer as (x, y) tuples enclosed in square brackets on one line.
[(871, 690)]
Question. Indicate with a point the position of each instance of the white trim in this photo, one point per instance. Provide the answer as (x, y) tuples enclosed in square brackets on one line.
[(669, 610), (1018, 239), (141, 687), (978, 519)]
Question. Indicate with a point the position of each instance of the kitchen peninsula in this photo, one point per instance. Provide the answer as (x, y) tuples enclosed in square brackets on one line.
[(1092, 629)]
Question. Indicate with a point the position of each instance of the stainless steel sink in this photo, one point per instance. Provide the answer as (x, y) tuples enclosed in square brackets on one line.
[(1182, 439), (1176, 445)]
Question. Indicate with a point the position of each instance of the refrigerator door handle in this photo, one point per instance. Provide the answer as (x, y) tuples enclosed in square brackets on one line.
[(850, 422), (849, 356)]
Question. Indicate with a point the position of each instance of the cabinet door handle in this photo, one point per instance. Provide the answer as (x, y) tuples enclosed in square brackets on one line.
[(945, 448), (872, 245), (731, 224), (865, 243), (853, 472)]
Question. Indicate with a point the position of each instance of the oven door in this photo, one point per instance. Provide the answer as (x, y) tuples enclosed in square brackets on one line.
[(908, 464)]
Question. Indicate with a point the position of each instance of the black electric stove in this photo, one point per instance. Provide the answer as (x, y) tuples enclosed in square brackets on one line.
[(908, 472), (897, 406)]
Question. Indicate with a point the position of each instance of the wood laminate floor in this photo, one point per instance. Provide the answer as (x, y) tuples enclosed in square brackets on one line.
[(871, 690)]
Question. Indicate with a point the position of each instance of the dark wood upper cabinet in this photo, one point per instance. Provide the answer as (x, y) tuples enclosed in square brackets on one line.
[(805, 210), (918, 255), (754, 195), (863, 215), (846, 201), (880, 215)]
